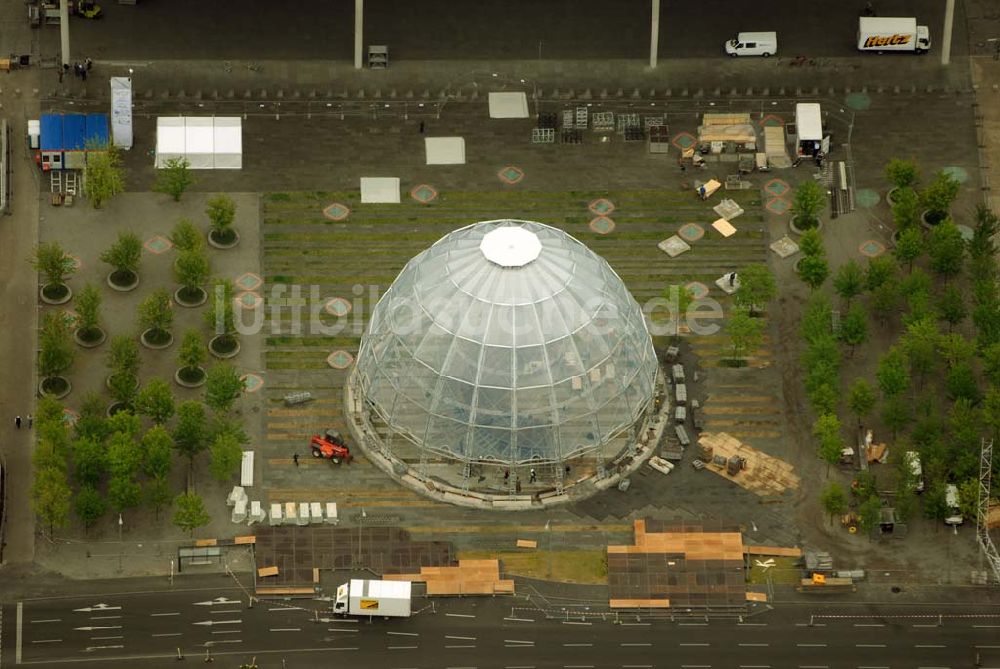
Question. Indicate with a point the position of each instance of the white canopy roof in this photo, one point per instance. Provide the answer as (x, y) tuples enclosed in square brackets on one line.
[(808, 121), (445, 150), (208, 143), (508, 105)]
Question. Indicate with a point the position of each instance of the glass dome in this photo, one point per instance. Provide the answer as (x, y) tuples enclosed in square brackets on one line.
[(508, 342)]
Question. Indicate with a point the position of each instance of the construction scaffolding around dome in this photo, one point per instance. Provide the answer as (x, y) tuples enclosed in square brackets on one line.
[(506, 364)]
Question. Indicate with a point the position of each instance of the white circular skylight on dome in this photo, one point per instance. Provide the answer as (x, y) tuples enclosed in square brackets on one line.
[(510, 246)]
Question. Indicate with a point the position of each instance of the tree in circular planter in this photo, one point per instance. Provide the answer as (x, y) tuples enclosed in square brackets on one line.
[(174, 178), (156, 317), (223, 387), (221, 213), (124, 257), (192, 271), (812, 268), (186, 236), (123, 367), (190, 358), (55, 354), (906, 208), (222, 320), (88, 317), (946, 249), (807, 204), (51, 260), (938, 196), (156, 401), (901, 174)]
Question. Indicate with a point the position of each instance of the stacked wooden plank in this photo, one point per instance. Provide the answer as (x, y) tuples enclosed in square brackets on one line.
[(776, 551), (764, 475), (470, 577)]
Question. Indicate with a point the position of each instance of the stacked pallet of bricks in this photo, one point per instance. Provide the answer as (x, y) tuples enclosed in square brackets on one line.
[(762, 474)]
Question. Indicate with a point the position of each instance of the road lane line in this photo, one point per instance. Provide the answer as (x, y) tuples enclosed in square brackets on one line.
[(102, 638), (286, 608), (869, 624), (987, 646), (214, 611), (695, 644), (751, 624), (755, 645), (635, 624), (48, 620), (808, 625), (459, 615), (930, 645), (399, 633), (20, 623), (811, 645), (227, 631), (982, 626), (402, 647), (460, 638), (285, 629), (466, 646), (693, 624), (517, 641), (48, 641), (343, 629), (635, 644), (870, 645), (169, 634), (575, 622), (924, 625), (104, 617), (172, 613), (577, 645), (521, 620)]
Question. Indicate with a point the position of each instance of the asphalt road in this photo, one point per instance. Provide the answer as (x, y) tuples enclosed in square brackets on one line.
[(146, 629), (443, 29)]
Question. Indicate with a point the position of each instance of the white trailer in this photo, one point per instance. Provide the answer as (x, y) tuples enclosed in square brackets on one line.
[(809, 129), (389, 599), (951, 501), (885, 33)]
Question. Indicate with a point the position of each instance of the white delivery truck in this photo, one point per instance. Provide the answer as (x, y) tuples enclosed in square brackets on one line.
[(912, 460), (951, 501), (389, 599), (753, 44), (883, 33)]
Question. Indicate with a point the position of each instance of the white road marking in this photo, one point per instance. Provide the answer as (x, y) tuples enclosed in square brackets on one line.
[(48, 620), (869, 624), (693, 624), (924, 625), (399, 633), (751, 624), (635, 644), (287, 608), (635, 624), (214, 611), (575, 622), (170, 634), (577, 645), (20, 621), (342, 629), (870, 645), (696, 644), (517, 641), (285, 629), (98, 607), (811, 645), (104, 617), (987, 646), (981, 626), (808, 625), (105, 638), (521, 620), (402, 647), (460, 615), (754, 645), (218, 600), (930, 645), (218, 622), (461, 638), (172, 613), (227, 631), (48, 641), (467, 646), (94, 628), (695, 666), (91, 649)]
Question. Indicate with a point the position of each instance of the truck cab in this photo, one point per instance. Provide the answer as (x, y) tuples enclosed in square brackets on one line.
[(923, 39)]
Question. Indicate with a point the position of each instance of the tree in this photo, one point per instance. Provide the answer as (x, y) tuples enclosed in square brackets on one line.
[(190, 512), (88, 314), (885, 300), (861, 399), (834, 499), (869, 514), (56, 266), (905, 208), (124, 493), (158, 494), (157, 450), (191, 271), (103, 175), (854, 326), (89, 461), (892, 373), (813, 270), (896, 412), (156, 401), (55, 349), (123, 366), (920, 344), (849, 281), (186, 236), (826, 430), (982, 246), (946, 249), (156, 316), (811, 244), (89, 506), (955, 348), (991, 363), (909, 246), (756, 288), (124, 257), (190, 357), (222, 317), (124, 456), (223, 387), (227, 456), (191, 430), (124, 422), (808, 201), (880, 270), (92, 422), (938, 196), (174, 178), (901, 173), (221, 213), (951, 306), (968, 498), (935, 502), (960, 382), (50, 497)]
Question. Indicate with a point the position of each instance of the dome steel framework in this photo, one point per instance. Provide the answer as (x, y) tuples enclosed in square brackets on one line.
[(509, 343)]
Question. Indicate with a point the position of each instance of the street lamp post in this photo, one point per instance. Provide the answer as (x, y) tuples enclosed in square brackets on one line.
[(120, 523), (548, 533)]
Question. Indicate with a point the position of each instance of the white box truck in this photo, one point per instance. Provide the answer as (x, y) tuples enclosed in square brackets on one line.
[(883, 33), (912, 459), (389, 599), (951, 501)]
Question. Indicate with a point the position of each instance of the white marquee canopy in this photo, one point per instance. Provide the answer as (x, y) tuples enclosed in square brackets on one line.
[(213, 143)]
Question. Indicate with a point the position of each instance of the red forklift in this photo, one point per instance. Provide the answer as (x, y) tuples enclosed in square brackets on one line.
[(330, 446)]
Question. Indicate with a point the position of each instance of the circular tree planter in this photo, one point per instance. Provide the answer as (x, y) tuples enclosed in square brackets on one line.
[(217, 347), (190, 300), (890, 197), (123, 282), (223, 242), (929, 220), (55, 386), (107, 382), (116, 407), (801, 231), (156, 339), (55, 293), (91, 339), (186, 378)]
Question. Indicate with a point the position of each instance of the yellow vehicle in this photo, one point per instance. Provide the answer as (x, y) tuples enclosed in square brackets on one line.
[(88, 9)]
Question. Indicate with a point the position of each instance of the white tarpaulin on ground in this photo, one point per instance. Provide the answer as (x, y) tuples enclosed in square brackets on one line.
[(380, 190), (121, 112), (445, 150), (508, 105), (207, 143)]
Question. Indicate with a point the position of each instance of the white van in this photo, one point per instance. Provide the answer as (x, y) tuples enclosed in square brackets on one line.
[(753, 44), (951, 501)]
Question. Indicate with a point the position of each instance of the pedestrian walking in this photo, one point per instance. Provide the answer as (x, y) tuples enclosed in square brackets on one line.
[(83, 73), (532, 477), (421, 127), (517, 485), (295, 459), (62, 72), (88, 64), (506, 476), (31, 421), (17, 422)]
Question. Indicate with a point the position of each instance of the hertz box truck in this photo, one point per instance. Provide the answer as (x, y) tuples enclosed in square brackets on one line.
[(389, 599), (879, 34)]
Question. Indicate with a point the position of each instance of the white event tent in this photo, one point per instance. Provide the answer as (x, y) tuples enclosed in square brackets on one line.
[(212, 143)]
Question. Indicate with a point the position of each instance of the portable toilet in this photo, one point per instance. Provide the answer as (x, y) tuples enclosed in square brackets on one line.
[(34, 134)]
